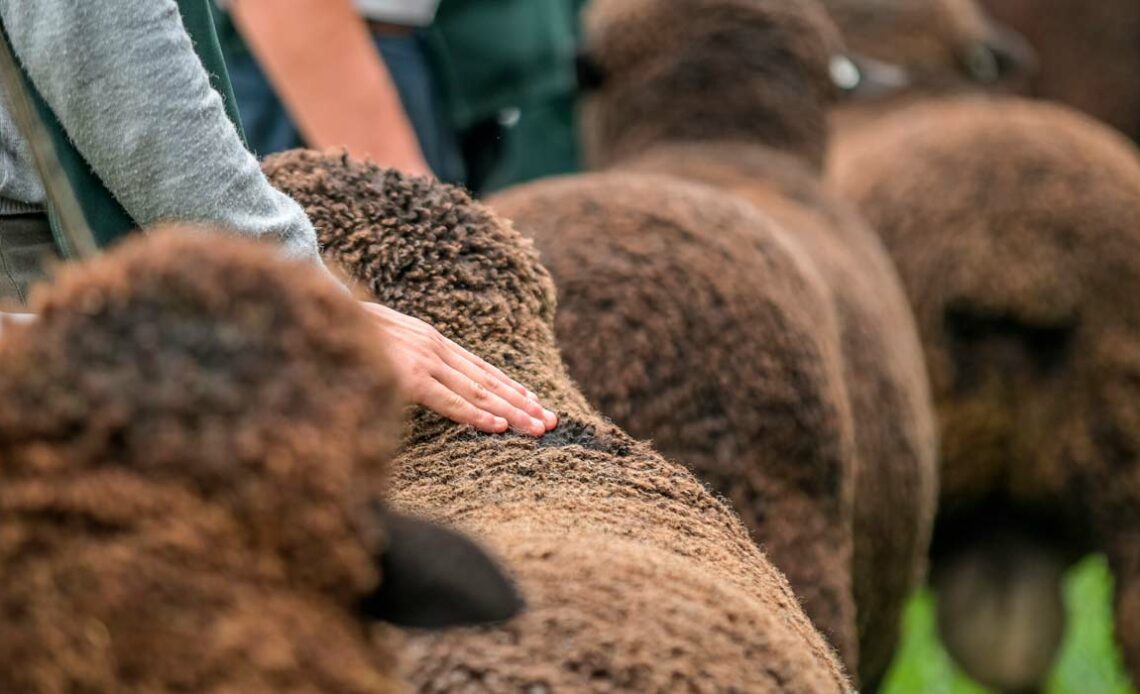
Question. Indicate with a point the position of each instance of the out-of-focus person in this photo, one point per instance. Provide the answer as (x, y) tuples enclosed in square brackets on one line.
[(329, 74), (488, 86)]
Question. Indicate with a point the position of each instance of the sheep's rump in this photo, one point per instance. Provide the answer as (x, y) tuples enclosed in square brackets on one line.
[(1013, 225), (882, 365), (686, 317)]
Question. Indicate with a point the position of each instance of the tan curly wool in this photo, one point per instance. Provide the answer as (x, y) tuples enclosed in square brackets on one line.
[(188, 434), (636, 577)]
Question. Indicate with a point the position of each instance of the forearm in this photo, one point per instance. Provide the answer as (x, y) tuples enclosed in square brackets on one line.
[(124, 80), (324, 67)]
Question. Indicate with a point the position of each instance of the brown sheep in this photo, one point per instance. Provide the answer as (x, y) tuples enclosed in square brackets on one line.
[(192, 438), (925, 48), (1089, 54), (677, 269), (743, 107), (1014, 226), (940, 44), (636, 576)]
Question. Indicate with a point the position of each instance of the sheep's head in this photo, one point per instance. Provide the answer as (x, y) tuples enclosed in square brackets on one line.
[(934, 45), (1014, 229), (209, 366), (746, 70)]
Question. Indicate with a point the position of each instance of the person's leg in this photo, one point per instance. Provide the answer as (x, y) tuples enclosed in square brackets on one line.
[(27, 248), (420, 92)]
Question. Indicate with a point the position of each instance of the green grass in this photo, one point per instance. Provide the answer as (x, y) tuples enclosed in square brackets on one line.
[(1089, 663)]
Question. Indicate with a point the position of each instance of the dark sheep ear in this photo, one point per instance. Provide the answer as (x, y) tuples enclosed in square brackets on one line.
[(433, 578), (591, 76)]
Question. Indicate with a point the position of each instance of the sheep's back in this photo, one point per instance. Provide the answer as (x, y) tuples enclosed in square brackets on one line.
[(687, 318), (636, 577), (1015, 217), (885, 375)]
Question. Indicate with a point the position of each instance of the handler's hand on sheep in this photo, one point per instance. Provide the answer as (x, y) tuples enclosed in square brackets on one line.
[(445, 378)]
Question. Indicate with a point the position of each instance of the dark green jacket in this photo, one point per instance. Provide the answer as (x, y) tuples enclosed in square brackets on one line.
[(513, 59), (500, 54)]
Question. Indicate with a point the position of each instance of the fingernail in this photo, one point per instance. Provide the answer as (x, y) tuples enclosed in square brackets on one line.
[(538, 427), (532, 396), (501, 424), (551, 419)]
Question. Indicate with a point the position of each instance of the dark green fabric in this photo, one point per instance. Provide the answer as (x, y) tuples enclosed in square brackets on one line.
[(542, 143), (228, 35), (198, 16), (106, 217), (499, 54), (515, 59)]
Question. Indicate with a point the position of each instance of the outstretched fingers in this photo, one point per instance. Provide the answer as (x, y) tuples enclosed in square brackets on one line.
[(447, 403), (498, 384), (438, 374), (487, 400)]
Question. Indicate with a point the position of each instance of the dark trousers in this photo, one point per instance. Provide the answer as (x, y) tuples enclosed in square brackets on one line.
[(27, 250)]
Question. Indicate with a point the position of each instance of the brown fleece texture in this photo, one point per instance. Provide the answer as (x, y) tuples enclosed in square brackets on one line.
[(1089, 54), (707, 69), (188, 435), (636, 576), (1014, 226), (895, 442), (881, 361), (728, 358)]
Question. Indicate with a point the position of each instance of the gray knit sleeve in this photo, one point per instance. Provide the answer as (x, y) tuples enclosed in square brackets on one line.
[(132, 94)]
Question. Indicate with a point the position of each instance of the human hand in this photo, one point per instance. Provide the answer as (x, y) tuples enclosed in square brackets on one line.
[(445, 378)]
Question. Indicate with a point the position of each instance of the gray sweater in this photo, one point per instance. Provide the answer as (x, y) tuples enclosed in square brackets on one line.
[(131, 93)]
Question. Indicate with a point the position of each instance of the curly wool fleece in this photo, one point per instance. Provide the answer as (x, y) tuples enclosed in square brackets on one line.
[(636, 576), (189, 436)]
